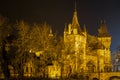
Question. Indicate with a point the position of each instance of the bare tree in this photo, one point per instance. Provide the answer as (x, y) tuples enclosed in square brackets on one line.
[(43, 41), (21, 44)]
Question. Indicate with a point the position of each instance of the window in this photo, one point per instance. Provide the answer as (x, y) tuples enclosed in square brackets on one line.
[(26, 69)]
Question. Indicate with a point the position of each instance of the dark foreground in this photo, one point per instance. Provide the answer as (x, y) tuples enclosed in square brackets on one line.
[(38, 78), (114, 78)]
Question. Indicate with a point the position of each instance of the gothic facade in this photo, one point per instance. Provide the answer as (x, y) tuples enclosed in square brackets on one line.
[(87, 53), (84, 53)]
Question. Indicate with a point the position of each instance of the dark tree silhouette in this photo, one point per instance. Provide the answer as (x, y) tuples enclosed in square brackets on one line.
[(4, 60), (5, 30)]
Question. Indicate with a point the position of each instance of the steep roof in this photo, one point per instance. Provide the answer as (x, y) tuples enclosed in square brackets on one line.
[(75, 22), (103, 31)]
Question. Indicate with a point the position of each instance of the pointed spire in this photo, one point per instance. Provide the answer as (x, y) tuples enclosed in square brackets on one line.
[(75, 7), (103, 31), (50, 31), (65, 29), (75, 23), (84, 28)]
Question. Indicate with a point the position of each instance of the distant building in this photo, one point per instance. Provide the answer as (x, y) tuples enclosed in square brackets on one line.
[(116, 61)]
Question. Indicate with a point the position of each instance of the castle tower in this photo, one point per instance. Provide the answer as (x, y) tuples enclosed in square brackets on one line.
[(104, 40), (75, 37), (73, 27)]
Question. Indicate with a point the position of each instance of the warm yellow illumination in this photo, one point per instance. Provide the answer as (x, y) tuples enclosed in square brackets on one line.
[(38, 53), (54, 71)]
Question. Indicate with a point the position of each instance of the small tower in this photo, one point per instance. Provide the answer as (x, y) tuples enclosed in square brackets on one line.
[(75, 39), (104, 39), (65, 33), (103, 35), (69, 29), (84, 30)]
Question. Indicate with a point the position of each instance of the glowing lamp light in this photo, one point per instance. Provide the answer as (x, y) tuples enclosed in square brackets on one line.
[(38, 53)]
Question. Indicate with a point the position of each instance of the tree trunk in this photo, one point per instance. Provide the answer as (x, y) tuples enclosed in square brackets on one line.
[(4, 61)]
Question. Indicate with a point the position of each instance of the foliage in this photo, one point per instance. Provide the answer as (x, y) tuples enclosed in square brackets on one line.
[(5, 31), (37, 38), (30, 40), (20, 44), (41, 41)]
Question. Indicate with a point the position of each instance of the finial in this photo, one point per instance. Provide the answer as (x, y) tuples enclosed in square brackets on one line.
[(85, 28), (75, 6), (50, 30), (65, 29)]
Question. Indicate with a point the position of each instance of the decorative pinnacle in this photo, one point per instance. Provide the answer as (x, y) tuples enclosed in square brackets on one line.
[(50, 30)]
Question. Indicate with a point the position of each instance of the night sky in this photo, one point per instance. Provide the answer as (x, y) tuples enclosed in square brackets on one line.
[(57, 13)]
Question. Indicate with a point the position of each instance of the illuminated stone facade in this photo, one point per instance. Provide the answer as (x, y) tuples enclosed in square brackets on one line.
[(83, 53), (91, 53)]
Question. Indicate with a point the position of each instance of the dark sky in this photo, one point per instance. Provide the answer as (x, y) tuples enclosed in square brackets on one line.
[(57, 13)]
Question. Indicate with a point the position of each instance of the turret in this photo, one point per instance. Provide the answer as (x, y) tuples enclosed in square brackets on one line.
[(84, 30), (104, 40), (69, 29), (103, 35), (103, 31)]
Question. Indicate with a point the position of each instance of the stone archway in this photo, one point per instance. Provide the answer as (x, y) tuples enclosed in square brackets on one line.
[(95, 79), (91, 67), (87, 77), (114, 78), (107, 68)]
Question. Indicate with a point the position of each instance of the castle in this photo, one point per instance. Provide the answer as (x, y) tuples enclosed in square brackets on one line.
[(85, 53)]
